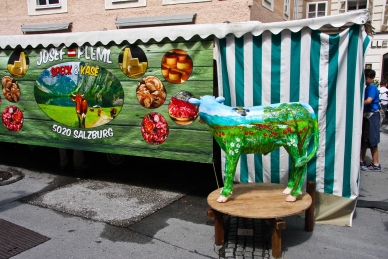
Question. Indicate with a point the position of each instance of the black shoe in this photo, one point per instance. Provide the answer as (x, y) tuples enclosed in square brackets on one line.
[(64, 168), (82, 167)]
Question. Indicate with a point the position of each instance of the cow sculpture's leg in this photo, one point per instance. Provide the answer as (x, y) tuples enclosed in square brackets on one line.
[(230, 170), (295, 183), (293, 152), (291, 181)]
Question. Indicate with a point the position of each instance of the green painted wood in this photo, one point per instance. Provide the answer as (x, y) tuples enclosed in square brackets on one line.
[(187, 143)]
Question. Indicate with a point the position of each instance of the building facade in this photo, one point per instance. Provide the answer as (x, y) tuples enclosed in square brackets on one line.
[(66, 16), (377, 55), (36, 16)]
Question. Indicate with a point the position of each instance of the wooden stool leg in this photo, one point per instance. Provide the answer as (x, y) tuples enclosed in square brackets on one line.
[(309, 214), (277, 226), (218, 226), (244, 220)]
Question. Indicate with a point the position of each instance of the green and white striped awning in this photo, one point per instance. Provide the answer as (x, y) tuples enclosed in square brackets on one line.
[(323, 70)]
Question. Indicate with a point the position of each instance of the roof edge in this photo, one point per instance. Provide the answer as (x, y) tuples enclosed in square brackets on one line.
[(218, 30)]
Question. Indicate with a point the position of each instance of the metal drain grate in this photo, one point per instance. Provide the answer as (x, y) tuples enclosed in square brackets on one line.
[(15, 239), (246, 238)]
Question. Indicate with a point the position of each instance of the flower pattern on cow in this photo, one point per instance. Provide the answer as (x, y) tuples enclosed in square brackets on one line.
[(292, 142)]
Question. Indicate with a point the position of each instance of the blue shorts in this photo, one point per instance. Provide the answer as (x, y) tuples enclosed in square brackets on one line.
[(370, 137)]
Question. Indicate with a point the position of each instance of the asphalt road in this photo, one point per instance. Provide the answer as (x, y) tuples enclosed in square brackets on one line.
[(181, 229)]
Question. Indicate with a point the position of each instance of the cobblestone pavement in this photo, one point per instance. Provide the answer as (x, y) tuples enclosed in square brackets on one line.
[(246, 239)]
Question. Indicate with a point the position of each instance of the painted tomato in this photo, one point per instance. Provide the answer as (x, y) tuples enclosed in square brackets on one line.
[(180, 110)]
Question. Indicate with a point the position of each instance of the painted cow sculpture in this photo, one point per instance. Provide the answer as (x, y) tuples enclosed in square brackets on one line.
[(81, 108), (261, 129)]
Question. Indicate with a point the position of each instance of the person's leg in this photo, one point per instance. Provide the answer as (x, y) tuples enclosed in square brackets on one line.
[(375, 155), (374, 140), (362, 154), (363, 165), (364, 142), (63, 157), (78, 157)]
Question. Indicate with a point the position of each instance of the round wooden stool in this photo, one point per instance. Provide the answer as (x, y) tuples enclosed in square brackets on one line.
[(258, 201)]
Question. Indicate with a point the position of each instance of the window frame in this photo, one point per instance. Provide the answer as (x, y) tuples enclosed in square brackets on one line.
[(269, 4), (119, 4), (316, 9), (35, 9), (38, 6), (346, 7), (296, 10), (120, 1), (286, 10), (170, 2), (358, 2)]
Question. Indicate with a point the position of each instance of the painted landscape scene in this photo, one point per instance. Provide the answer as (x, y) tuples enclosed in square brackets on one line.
[(79, 94)]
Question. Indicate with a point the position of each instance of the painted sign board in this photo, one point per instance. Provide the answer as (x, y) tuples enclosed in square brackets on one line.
[(127, 99)]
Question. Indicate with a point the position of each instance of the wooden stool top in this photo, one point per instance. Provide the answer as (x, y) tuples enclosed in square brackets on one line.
[(259, 201)]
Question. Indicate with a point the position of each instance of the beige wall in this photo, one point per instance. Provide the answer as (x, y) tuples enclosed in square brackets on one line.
[(374, 55), (93, 17), (262, 14)]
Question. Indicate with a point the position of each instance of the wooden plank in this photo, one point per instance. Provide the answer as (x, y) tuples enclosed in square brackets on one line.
[(219, 228), (259, 200), (310, 212), (189, 142), (277, 226)]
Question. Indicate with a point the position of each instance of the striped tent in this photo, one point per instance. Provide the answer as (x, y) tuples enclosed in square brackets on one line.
[(324, 70)]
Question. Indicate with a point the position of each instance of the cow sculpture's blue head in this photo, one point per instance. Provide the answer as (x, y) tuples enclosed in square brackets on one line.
[(208, 106), (206, 100)]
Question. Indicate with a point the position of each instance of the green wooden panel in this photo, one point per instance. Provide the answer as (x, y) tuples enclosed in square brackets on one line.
[(123, 135)]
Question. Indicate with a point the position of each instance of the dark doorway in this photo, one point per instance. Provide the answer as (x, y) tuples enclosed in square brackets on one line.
[(384, 71)]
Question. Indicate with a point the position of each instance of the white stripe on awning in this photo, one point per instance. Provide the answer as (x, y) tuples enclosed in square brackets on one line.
[(155, 20), (45, 27)]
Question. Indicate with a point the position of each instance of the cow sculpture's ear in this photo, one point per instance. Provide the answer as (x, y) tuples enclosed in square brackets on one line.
[(220, 99), (194, 101)]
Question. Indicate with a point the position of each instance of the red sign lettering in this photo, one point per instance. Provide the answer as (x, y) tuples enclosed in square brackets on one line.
[(61, 70)]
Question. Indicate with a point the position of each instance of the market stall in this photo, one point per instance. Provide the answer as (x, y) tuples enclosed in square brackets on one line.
[(126, 91)]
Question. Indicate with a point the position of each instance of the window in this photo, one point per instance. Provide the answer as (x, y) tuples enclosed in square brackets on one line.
[(48, 3), (268, 4), (317, 9), (287, 9), (117, 4), (42, 7), (357, 5), (183, 1), (352, 5), (296, 10)]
